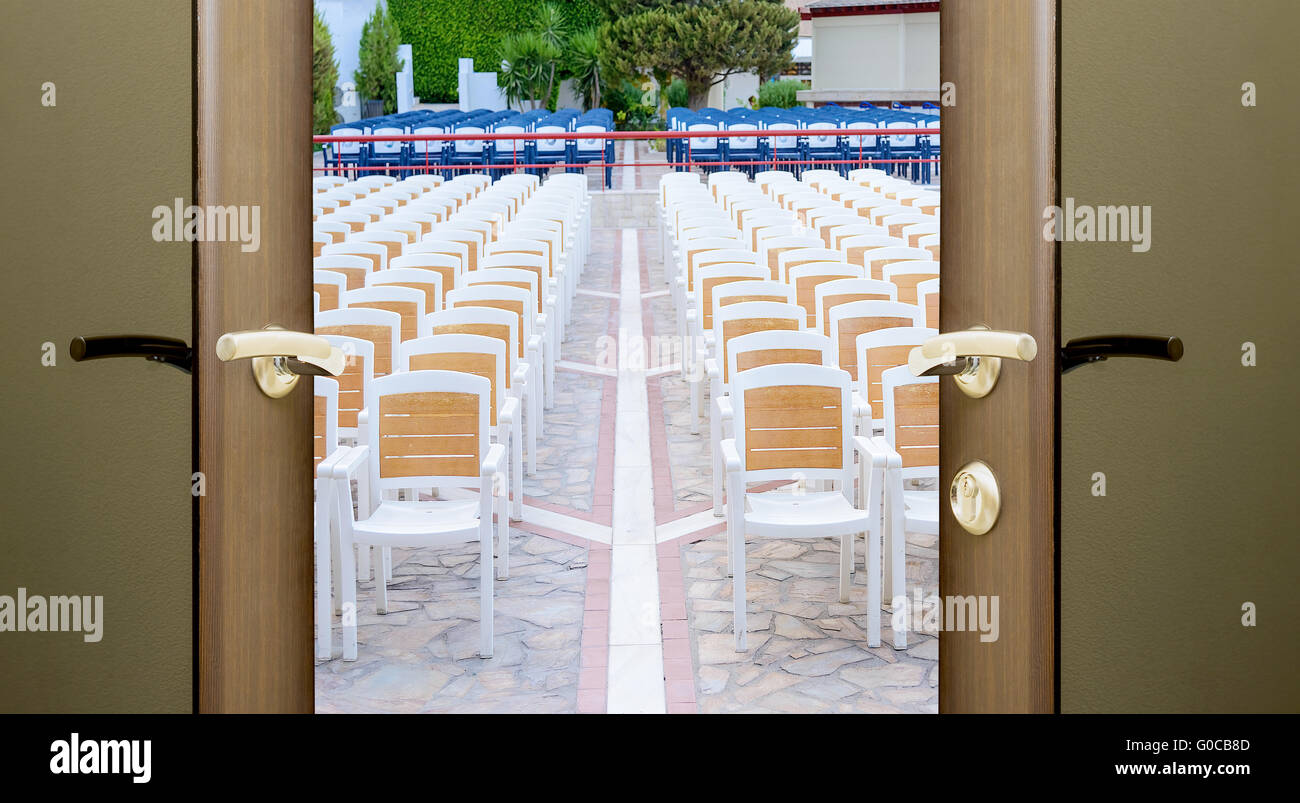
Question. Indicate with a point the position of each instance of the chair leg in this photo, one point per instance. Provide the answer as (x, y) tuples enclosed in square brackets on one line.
[(539, 399), (324, 546), (715, 448), (532, 430), (846, 562), (348, 569), (700, 401), (485, 589), (896, 580), (739, 619), (550, 371), (381, 587), (517, 469), (503, 526), (873, 587), (336, 560)]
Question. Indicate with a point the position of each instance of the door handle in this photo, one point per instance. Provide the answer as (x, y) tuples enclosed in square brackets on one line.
[(280, 356), (973, 357), (1084, 350), (167, 350)]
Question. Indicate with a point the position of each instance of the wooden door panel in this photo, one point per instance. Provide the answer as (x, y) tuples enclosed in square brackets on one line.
[(252, 126), (999, 174)]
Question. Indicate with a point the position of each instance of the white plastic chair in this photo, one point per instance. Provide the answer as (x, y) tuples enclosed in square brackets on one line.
[(487, 357), (794, 422), (502, 325), (407, 302), (429, 429)]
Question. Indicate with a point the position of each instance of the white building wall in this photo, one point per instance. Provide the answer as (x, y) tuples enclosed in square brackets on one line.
[(345, 19), (876, 51), (734, 90)]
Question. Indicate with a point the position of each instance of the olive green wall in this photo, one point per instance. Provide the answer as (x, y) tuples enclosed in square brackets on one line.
[(1200, 513), (96, 472)]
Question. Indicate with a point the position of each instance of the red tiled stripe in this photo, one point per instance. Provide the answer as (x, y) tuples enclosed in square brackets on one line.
[(593, 672)]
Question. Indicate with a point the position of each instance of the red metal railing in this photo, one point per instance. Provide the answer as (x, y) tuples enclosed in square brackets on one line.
[(603, 136)]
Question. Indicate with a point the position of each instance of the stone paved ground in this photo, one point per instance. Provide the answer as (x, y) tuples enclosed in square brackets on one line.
[(807, 652), (422, 655), (566, 456)]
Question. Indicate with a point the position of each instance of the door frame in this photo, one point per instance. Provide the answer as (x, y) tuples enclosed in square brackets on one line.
[(253, 651), (999, 175), (253, 558)]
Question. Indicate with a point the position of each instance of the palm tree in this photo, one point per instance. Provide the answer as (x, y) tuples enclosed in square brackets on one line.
[(553, 28), (526, 59), (584, 64)]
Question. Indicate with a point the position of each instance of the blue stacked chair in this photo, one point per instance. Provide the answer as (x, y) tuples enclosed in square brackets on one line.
[(551, 151), (676, 147), (385, 154), (345, 155), (430, 152), (586, 151), (823, 149), (738, 149)]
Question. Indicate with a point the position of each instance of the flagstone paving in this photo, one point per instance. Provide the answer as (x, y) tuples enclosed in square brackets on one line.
[(421, 657), (807, 652)]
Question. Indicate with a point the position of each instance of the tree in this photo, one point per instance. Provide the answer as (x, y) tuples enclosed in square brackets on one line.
[(378, 64), (526, 61), (699, 41), (553, 28), (324, 76), (584, 64)]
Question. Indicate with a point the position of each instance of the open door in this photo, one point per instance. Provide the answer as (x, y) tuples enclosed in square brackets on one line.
[(1110, 181), (999, 175), (253, 114)]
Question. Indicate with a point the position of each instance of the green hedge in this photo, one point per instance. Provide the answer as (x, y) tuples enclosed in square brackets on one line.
[(442, 31), (780, 94)]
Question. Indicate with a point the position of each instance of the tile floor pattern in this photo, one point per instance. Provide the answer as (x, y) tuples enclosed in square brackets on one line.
[(807, 652), (421, 657)]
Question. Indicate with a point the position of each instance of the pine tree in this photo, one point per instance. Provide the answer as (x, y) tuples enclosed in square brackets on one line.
[(324, 76), (378, 65)]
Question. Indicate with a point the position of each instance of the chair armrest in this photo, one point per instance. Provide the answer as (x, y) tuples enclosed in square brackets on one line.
[(730, 457), (723, 403), (509, 409), (494, 462), (325, 469), (535, 343), (872, 450), (521, 375), (711, 368), (861, 408), (346, 467)]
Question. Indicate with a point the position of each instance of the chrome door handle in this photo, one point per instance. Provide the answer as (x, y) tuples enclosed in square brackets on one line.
[(166, 350), (973, 356), (279, 356), (1084, 350)]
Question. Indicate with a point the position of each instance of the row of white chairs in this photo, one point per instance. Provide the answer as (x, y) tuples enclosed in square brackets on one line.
[(764, 279), (446, 328)]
